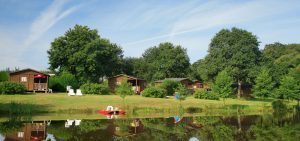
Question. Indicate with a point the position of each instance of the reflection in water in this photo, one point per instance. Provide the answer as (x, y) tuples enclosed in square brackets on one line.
[(266, 127)]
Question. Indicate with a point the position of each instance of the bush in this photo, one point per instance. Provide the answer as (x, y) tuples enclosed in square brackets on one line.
[(170, 86), (60, 82), (12, 88), (203, 94), (94, 88), (4, 76), (154, 92)]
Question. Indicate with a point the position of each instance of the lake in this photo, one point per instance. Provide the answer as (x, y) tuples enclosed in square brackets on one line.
[(280, 125)]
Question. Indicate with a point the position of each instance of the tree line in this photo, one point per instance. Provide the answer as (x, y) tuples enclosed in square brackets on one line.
[(233, 59)]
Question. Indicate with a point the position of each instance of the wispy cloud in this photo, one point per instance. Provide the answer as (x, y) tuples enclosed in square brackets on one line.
[(47, 19), (219, 13)]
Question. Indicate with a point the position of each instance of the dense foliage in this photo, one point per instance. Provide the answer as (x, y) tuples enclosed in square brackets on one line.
[(84, 54), (155, 92), (60, 82), (4, 76), (182, 91), (223, 85), (203, 94), (264, 84), (170, 86), (12, 88), (95, 88)]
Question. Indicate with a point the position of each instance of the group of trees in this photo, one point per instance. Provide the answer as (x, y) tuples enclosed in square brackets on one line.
[(233, 59)]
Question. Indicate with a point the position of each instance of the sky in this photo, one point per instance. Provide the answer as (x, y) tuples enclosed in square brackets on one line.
[(27, 28)]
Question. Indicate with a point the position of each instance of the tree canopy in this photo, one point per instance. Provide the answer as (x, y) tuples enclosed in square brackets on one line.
[(83, 53), (164, 61)]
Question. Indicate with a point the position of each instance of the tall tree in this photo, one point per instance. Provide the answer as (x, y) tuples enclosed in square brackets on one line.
[(223, 85), (83, 53), (237, 50), (165, 60), (289, 88), (264, 84)]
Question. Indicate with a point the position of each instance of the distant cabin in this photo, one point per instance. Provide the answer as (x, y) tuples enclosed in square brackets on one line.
[(192, 85), (33, 80), (138, 84)]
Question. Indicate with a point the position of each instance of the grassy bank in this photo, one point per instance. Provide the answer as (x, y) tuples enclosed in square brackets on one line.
[(61, 103)]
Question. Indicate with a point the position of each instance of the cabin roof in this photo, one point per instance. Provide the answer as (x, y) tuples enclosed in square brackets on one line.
[(128, 76), (174, 79), (28, 69)]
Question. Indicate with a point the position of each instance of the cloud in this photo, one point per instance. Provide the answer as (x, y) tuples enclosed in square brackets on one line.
[(219, 13), (47, 19)]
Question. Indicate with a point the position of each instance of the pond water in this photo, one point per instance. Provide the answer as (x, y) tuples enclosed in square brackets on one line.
[(281, 125)]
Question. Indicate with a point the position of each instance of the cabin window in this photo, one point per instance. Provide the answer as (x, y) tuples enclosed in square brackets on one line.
[(118, 83), (23, 79)]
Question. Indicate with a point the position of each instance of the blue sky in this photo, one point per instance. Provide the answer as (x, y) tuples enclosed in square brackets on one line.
[(28, 27)]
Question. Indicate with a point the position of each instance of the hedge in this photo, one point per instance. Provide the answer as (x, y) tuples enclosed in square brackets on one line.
[(203, 94), (154, 92), (95, 88), (12, 88)]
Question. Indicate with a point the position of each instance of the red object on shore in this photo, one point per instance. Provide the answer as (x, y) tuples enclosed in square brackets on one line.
[(114, 112)]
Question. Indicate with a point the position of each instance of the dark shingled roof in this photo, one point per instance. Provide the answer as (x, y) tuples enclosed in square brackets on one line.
[(174, 79)]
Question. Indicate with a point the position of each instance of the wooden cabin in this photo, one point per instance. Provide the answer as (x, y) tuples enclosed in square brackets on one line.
[(138, 84), (189, 84), (32, 79)]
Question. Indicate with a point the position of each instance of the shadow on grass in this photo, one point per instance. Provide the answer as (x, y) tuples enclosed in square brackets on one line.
[(261, 100), (15, 108), (236, 106)]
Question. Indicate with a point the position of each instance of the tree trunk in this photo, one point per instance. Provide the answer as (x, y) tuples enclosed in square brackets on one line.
[(239, 94)]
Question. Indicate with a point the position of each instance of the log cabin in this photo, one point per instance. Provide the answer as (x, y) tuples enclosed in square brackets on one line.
[(33, 80), (138, 84)]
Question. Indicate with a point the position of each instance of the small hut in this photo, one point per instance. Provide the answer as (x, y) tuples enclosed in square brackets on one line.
[(184, 81), (33, 80), (138, 84)]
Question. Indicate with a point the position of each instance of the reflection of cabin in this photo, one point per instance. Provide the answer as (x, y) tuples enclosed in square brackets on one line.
[(32, 79), (138, 85), (30, 131)]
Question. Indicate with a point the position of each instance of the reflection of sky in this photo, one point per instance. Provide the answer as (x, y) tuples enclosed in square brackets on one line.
[(50, 137), (1, 137)]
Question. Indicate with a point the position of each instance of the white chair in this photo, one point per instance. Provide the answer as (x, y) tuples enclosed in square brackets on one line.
[(68, 88), (71, 92), (78, 92), (77, 122), (69, 123)]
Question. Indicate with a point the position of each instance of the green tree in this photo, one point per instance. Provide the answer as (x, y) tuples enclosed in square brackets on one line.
[(223, 85), (4, 76), (289, 88), (164, 61), (124, 89), (264, 84), (170, 86), (235, 49), (83, 53)]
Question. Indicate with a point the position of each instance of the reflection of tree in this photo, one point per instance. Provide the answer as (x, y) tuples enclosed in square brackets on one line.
[(13, 124), (214, 129)]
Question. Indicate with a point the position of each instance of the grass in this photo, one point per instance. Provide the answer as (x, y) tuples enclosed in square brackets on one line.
[(60, 103)]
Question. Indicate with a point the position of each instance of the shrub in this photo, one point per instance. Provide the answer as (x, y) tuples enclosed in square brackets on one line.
[(124, 89), (170, 86), (183, 91), (155, 92), (12, 88), (4, 76), (95, 88), (203, 94), (60, 82)]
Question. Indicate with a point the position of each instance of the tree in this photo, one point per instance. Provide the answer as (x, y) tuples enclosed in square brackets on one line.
[(4, 76), (124, 89), (235, 50), (165, 61), (223, 85), (170, 86), (83, 53), (264, 84), (289, 88)]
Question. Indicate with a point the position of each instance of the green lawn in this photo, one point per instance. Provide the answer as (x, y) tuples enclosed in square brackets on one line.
[(61, 106), (60, 102)]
